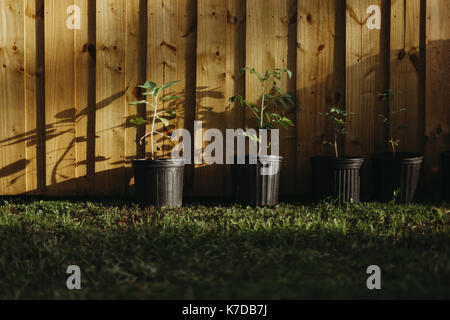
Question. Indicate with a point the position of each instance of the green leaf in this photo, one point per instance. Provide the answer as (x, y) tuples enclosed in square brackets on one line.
[(171, 113), (242, 72), (171, 98), (149, 85), (289, 72), (278, 90), (137, 102), (288, 121), (165, 121), (283, 103), (253, 71), (288, 97), (169, 84), (138, 121)]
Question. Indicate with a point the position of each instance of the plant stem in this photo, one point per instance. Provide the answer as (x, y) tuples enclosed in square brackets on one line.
[(153, 126), (392, 140), (261, 120), (336, 146), (262, 106)]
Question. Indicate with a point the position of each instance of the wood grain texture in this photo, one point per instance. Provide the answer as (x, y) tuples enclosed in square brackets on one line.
[(220, 57), (404, 75), (111, 97), (162, 61), (65, 129), (134, 76), (83, 69), (235, 61), (13, 160), (317, 81), (211, 81), (270, 26), (363, 56), (30, 95), (437, 117), (169, 32), (60, 99)]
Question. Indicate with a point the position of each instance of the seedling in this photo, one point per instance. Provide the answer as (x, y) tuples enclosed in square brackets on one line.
[(339, 120), (271, 97), (389, 95), (153, 90)]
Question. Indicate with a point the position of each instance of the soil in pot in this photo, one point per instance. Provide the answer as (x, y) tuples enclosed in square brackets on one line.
[(445, 156), (396, 174), (159, 182), (257, 184), (337, 178)]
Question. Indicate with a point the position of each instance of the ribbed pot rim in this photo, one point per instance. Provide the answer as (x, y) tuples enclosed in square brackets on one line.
[(400, 157), (166, 162), (340, 159), (342, 162), (261, 158)]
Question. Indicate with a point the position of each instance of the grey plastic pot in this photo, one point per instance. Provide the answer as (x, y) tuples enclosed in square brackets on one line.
[(257, 184), (338, 178), (159, 182), (400, 172)]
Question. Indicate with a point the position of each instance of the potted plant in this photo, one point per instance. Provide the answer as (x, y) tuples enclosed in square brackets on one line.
[(158, 181), (396, 173), (336, 176), (445, 156), (251, 184)]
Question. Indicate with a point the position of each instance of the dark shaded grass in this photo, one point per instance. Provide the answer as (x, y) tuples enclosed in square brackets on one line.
[(288, 252)]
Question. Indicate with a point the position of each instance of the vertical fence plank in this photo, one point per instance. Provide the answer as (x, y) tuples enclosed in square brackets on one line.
[(111, 100), (220, 56), (363, 58), (437, 115), (186, 72), (317, 80), (235, 61), (59, 97), (171, 55), (270, 26), (13, 160), (162, 51), (31, 94), (404, 71), (135, 75), (211, 81), (83, 69)]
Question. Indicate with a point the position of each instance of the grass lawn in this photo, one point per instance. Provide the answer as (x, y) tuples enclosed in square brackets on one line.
[(223, 252)]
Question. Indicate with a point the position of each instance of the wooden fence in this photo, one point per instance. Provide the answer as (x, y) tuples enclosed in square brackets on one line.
[(64, 93)]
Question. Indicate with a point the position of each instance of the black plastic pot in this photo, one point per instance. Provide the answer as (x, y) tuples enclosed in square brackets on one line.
[(445, 156), (396, 173), (338, 178), (159, 182), (254, 187)]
